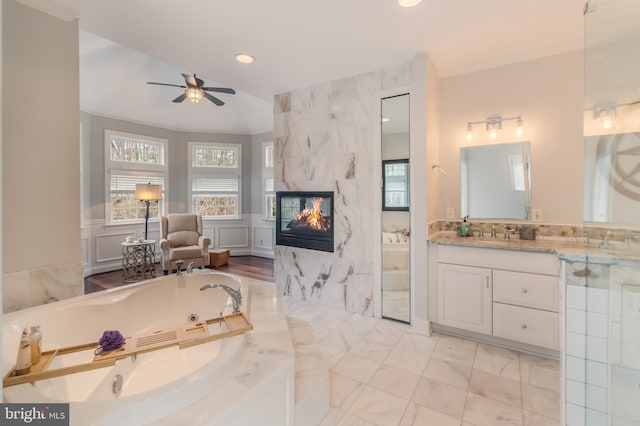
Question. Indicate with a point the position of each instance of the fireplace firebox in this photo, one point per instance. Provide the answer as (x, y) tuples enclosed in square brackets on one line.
[(305, 219)]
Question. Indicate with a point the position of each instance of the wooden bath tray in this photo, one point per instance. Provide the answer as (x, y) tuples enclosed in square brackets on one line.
[(183, 336)]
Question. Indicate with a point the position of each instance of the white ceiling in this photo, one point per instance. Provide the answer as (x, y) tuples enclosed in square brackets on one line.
[(296, 44)]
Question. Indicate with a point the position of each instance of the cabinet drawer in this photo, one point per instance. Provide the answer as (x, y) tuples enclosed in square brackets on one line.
[(539, 328), (529, 290)]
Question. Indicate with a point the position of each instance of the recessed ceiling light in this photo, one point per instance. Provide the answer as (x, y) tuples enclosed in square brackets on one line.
[(244, 58), (409, 3)]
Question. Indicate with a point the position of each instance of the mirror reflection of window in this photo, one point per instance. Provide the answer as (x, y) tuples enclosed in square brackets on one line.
[(611, 183), (516, 167), (396, 184)]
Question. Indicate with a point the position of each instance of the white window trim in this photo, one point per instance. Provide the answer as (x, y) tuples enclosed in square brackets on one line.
[(133, 169), (195, 171), (267, 172)]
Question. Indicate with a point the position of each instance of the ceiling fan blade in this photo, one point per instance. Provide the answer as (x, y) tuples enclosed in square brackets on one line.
[(166, 84), (220, 89), (191, 81), (199, 82), (180, 98), (213, 99)]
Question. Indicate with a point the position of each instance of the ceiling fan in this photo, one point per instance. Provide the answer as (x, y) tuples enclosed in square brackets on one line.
[(195, 90)]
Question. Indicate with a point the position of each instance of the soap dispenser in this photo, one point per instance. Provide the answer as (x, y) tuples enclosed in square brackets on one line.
[(23, 363), (464, 227)]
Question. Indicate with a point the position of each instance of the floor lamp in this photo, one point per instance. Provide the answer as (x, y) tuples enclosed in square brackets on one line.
[(148, 192)]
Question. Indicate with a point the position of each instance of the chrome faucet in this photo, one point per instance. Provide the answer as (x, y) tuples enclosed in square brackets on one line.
[(179, 264), (480, 231), (606, 239), (493, 231), (508, 231), (190, 268), (236, 296)]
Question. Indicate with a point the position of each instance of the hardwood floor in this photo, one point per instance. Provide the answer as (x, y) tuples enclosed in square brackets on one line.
[(247, 266)]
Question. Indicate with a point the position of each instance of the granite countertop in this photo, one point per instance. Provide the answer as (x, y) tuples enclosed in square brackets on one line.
[(569, 248)]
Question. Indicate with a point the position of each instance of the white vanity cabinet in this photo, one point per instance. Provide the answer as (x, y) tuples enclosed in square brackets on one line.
[(464, 297), (510, 294)]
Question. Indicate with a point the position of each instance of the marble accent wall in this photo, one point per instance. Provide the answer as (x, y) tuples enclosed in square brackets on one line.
[(24, 289), (324, 139)]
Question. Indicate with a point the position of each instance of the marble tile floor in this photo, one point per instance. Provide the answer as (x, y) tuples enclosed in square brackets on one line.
[(383, 373)]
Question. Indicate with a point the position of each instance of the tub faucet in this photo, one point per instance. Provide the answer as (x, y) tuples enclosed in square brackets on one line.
[(236, 296), (179, 264), (190, 268)]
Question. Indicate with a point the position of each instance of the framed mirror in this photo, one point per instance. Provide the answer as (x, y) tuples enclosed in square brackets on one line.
[(395, 185), (495, 181)]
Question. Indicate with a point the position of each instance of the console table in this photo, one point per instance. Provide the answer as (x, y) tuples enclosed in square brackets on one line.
[(138, 260)]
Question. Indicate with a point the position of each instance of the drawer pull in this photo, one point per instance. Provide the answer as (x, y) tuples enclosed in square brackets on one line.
[(525, 291), (524, 326)]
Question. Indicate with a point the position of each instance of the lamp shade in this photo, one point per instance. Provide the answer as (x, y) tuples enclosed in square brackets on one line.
[(148, 192)]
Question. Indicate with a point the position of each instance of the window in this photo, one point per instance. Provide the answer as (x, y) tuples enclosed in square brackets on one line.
[(215, 176), (132, 159), (268, 183)]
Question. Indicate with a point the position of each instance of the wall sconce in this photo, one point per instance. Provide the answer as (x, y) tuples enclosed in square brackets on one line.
[(494, 124), (605, 113), (148, 192)]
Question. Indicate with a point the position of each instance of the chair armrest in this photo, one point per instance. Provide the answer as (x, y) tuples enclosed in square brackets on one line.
[(165, 245), (204, 242)]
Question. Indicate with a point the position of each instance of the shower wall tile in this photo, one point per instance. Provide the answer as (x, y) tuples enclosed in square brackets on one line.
[(323, 137), (597, 373)]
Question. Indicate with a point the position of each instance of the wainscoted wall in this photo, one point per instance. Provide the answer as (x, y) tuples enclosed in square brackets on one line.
[(102, 249), (324, 141)]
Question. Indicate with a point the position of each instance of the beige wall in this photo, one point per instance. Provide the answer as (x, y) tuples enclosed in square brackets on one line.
[(548, 94), (40, 158)]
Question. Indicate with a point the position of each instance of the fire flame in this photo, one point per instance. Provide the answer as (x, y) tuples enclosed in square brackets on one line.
[(312, 217)]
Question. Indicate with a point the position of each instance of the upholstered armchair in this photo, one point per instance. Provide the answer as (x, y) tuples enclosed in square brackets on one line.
[(182, 239)]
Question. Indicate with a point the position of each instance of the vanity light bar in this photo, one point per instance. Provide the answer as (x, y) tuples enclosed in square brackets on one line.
[(607, 112), (493, 125)]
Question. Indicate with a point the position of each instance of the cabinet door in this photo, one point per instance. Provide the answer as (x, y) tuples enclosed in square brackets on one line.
[(464, 297)]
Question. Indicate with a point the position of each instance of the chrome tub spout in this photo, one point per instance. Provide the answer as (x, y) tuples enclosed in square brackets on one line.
[(236, 296)]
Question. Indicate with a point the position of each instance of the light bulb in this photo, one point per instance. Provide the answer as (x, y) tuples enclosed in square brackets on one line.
[(606, 123), (494, 134), (519, 127), (193, 94), (469, 133)]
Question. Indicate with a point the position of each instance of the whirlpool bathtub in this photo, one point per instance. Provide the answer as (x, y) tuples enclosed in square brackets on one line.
[(170, 385)]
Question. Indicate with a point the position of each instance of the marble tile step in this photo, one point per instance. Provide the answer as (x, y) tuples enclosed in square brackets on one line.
[(312, 375)]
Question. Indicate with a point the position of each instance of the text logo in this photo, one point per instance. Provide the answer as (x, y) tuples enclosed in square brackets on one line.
[(35, 414)]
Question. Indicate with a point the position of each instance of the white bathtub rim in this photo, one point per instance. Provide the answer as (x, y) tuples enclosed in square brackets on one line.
[(19, 319)]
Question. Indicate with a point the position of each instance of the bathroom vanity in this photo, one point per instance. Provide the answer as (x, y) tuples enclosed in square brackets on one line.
[(502, 291)]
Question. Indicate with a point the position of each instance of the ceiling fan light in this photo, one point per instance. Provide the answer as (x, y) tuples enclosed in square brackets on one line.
[(193, 94)]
